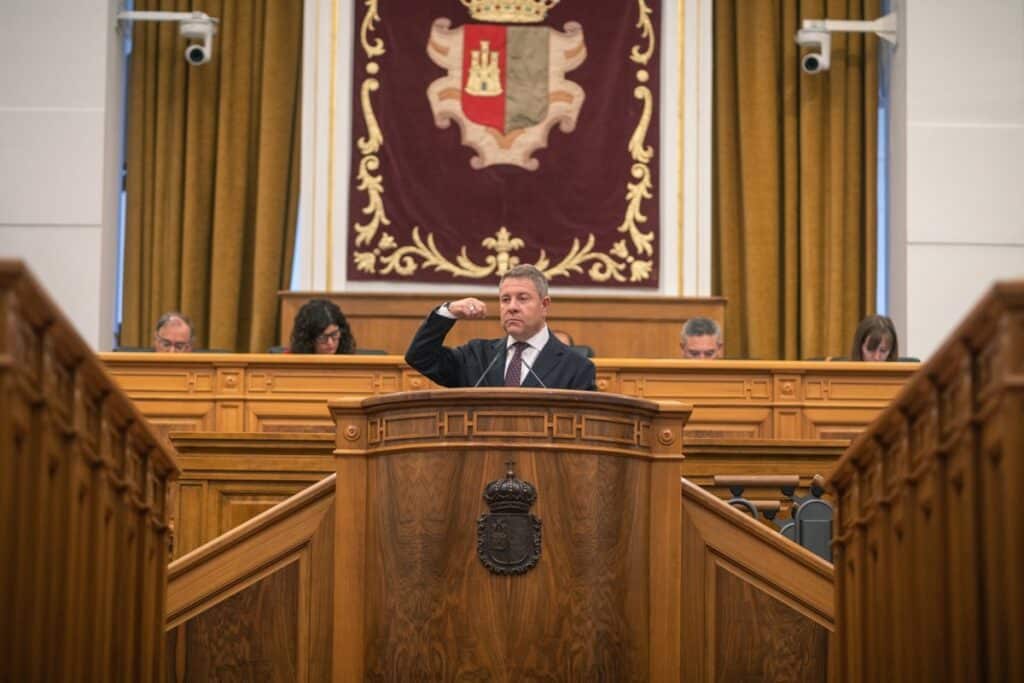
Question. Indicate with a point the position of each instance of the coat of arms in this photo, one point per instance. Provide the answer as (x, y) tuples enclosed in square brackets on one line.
[(508, 538), (506, 85)]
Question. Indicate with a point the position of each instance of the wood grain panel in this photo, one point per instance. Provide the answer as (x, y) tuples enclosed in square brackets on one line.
[(170, 380), (228, 479), (177, 415), (251, 636), (566, 619), (758, 636), (312, 381), (732, 422), (288, 416), (189, 516), (238, 502)]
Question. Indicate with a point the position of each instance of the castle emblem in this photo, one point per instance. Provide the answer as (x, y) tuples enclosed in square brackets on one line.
[(508, 538), (506, 85)]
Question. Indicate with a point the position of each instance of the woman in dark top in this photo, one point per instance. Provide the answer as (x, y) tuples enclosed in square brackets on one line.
[(320, 327), (875, 340)]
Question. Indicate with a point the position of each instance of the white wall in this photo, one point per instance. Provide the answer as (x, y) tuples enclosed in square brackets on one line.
[(958, 161), (59, 152)]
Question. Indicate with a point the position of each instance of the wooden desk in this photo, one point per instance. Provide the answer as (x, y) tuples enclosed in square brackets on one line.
[(284, 393), (615, 327)]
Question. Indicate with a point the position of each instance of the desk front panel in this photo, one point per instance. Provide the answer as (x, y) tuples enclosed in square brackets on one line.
[(285, 393)]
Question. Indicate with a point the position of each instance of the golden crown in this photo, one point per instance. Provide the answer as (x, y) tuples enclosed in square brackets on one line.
[(509, 11)]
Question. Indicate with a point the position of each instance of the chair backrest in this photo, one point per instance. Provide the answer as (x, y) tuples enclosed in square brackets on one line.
[(583, 350)]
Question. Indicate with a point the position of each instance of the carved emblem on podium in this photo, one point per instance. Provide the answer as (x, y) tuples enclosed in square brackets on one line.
[(508, 538)]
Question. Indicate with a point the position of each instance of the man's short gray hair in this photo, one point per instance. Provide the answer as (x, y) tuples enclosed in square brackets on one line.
[(528, 272), (701, 327), (175, 315)]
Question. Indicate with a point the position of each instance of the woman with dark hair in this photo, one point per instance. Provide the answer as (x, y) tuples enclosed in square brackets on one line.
[(875, 340), (320, 327)]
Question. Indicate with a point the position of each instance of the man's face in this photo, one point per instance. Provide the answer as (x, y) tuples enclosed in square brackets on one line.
[(523, 311), (174, 337), (705, 347)]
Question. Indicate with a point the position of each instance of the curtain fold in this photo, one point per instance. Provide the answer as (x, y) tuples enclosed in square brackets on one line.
[(212, 173), (795, 179)]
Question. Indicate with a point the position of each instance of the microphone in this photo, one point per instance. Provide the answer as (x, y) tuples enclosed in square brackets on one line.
[(535, 375), (487, 369)]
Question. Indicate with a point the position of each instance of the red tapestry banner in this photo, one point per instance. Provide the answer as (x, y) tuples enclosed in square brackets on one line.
[(489, 133)]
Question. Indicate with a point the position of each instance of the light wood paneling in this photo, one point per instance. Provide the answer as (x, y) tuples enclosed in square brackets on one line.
[(635, 326), (227, 479), (731, 399), (83, 505)]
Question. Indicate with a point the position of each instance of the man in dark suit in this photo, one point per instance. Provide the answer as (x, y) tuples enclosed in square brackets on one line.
[(529, 355)]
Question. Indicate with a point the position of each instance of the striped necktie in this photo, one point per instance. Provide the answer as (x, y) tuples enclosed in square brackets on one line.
[(514, 374)]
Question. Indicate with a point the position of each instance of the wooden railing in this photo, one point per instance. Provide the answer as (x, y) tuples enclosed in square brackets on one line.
[(255, 604), (755, 606), (83, 510), (210, 392), (929, 547)]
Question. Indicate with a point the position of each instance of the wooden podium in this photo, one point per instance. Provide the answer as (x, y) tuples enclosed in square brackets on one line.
[(412, 598)]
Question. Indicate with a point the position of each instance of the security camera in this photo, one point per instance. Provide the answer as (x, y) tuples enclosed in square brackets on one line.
[(195, 26), (820, 60), (818, 33), (197, 54), (199, 27)]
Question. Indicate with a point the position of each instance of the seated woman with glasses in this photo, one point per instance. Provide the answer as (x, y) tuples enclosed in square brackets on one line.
[(320, 327)]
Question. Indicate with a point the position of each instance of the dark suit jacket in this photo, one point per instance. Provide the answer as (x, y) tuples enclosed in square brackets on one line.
[(557, 366)]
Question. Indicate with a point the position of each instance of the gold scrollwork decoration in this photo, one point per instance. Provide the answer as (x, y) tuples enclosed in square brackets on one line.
[(372, 16), (373, 186), (403, 261), (617, 264), (637, 149), (604, 268), (636, 193), (374, 135), (643, 22)]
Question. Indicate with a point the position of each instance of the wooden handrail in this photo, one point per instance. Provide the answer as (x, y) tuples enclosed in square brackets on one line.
[(83, 499), (927, 513)]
